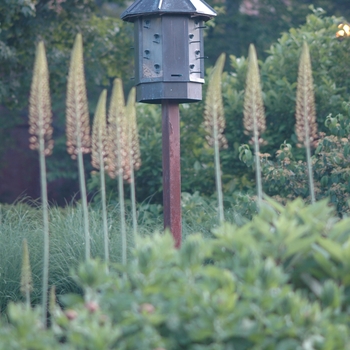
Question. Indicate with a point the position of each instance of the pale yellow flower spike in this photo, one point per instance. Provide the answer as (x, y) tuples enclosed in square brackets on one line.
[(118, 159), (306, 126), (99, 133), (132, 128), (77, 113), (40, 115), (214, 118), (253, 102)]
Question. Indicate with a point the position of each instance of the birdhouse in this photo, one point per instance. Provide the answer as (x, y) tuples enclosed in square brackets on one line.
[(169, 48)]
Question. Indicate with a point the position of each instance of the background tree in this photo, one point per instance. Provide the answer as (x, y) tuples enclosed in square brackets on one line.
[(260, 22), (107, 55)]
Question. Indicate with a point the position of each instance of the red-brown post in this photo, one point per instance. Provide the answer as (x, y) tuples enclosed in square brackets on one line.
[(171, 169)]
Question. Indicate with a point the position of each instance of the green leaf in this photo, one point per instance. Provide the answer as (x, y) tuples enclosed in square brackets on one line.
[(333, 248)]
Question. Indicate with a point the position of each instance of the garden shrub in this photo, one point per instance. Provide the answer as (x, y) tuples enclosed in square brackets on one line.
[(278, 282), (286, 177)]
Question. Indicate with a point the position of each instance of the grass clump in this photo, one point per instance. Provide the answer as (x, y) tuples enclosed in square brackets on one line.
[(26, 274)]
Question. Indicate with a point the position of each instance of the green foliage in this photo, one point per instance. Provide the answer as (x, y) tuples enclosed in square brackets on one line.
[(331, 83), (240, 23), (278, 282), (25, 331), (279, 75), (286, 177), (25, 22), (22, 221), (107, 42)]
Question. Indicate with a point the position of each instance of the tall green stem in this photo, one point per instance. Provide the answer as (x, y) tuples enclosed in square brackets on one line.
[(28, 304), (257, 162), (308, 160), (83, 196), (46, 227), (133, 202), (121, 204), (218, 173), (104, 207), (122, 217)]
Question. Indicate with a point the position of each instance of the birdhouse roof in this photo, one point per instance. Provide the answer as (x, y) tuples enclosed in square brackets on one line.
[(160, 7)]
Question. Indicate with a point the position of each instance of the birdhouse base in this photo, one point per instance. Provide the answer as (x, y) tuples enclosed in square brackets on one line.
[(180, 92)]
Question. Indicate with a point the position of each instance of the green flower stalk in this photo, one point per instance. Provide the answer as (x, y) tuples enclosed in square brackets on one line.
[(254, 114), (214, 124), (306, 126), (77, 125), (134, 152), (26, 274), (118, 163), (40, 129), (99, 157)]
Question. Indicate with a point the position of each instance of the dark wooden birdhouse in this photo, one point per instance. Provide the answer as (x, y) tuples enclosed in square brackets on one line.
[(169, 49)]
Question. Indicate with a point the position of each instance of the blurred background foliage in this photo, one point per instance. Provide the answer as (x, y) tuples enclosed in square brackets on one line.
[(108, 54)]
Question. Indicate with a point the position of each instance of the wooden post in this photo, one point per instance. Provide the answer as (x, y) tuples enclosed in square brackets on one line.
[(171, 169)]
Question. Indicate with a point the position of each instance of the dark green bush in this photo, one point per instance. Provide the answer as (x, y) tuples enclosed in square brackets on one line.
[(286, 177), (279, 282)]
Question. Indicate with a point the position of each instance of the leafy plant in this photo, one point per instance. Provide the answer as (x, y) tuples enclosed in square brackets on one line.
[(286, 177), (277, 282)]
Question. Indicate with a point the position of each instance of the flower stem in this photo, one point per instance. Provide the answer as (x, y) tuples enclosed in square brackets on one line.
[(218, 174), (44, 200), (133, 203), (83, 197), (104, 209), (309, 163), (257, 164), (122, 216)]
